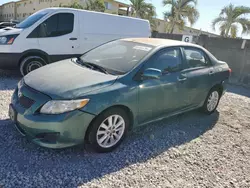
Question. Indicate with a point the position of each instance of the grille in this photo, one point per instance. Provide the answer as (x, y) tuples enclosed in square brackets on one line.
[(25, 102)]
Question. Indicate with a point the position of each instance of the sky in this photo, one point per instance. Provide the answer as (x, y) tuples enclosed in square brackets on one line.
[(209, 9)]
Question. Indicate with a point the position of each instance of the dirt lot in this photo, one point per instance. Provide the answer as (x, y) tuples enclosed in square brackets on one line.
[(190, 150)]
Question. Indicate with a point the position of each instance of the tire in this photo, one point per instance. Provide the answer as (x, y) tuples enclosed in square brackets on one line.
[(31, 63), (101, 137), (212, 101)]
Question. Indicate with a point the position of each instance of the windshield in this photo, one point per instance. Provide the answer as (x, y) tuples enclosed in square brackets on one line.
[(117, 56), (31, 20)]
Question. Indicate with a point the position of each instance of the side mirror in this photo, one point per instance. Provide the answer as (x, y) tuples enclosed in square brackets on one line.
[(152, 73)]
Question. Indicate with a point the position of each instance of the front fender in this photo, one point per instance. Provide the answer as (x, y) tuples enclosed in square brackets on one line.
[(117, 94)]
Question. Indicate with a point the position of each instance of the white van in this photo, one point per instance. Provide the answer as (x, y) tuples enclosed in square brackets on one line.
[(54, 34)]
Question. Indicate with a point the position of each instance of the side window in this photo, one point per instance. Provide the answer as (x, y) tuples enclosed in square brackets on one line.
[(49, 27), (196, 58), (56, 25), (65, 23), (167, 61)]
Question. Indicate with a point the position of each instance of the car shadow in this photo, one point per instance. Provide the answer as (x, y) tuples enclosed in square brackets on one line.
[(9, 79), (144, 143), (239, 90)]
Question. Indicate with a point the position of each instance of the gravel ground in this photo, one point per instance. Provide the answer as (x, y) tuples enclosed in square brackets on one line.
[(190, 150)]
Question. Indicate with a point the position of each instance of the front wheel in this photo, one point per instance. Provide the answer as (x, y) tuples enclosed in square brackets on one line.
[(211, 101), (108, 130), (31, 63)]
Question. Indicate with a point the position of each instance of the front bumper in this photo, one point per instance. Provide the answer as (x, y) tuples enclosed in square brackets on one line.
[(55, 131), (9, 60), (52, 131)]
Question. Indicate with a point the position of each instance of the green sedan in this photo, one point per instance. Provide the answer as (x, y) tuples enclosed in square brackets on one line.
[(100, 96)]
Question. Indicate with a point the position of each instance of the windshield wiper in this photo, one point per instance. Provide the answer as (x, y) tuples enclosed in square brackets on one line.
[(98, 67), (92, 65), (81, 62)]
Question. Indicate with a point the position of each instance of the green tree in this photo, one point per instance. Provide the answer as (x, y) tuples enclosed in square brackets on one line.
[(95, 5), (141, 9), (75, 5), (230, 18), (181, 12)]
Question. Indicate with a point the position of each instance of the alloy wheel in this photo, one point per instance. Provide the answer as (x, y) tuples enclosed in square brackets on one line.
[(213, 100), (110, 131)]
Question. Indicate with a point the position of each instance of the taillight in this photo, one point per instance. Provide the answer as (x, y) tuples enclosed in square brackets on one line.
[(230, 70)]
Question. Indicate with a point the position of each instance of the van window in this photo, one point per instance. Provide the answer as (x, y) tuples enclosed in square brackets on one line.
[(57, 25), (31, 20)]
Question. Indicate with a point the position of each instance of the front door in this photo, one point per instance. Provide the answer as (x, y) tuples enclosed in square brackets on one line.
[(163, 96), (58, 35)]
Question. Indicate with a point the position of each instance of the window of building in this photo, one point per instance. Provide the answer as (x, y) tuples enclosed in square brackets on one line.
[(108, 5)]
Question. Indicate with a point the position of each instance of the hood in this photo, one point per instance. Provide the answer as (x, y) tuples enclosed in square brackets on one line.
[(10, 31), (67, 80)]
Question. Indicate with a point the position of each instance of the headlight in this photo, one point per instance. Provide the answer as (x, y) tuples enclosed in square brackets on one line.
[(8, 39), (60, 106), (3, 40)]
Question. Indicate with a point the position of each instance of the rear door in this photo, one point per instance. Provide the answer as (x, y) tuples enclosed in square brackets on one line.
[(199, 72), (58, 35)]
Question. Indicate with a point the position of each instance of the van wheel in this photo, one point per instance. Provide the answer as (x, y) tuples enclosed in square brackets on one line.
[(108, 130), (31, 63)]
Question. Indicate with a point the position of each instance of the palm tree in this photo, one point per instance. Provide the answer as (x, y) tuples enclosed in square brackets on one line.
[(181, 11), (231, 18), (141, 9)]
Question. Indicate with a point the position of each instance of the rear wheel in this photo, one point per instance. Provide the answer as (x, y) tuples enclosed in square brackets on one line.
[(108, 130), (31, 63), (211, 101)]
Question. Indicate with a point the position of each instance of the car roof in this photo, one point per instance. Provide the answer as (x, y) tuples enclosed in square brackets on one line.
[(160, 42), (157, 42)]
